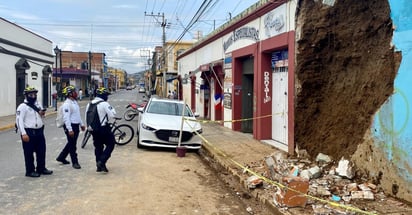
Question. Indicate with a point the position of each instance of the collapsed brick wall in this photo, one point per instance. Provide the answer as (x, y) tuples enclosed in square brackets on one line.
[(345, 70)]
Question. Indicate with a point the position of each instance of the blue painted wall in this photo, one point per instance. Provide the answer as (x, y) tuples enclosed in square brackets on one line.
[(392, 126)]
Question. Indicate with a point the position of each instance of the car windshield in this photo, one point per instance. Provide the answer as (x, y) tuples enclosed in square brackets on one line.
[(168, 108)]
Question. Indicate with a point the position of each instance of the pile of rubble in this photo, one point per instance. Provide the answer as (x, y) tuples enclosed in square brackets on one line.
[(329, 187)]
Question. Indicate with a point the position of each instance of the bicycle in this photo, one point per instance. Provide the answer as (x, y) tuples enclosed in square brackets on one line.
[(123, 133)]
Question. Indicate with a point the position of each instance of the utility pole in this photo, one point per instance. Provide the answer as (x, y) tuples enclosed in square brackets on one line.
[(90, 75), (163, 24)]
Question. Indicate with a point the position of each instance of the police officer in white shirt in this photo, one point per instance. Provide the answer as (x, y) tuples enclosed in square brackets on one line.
[(29, 122), (72, 125), (103, 140)]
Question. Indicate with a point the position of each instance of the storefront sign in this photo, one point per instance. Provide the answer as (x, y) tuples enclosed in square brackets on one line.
[(227, 100), (280, 59), (266, 82), (228, 62), (274, 22), (241, 33)]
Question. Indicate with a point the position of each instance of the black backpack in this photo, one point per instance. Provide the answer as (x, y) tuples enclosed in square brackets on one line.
[(92, 118)]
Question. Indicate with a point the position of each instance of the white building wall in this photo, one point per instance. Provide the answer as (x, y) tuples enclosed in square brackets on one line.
[(18, 35), (7, 85)]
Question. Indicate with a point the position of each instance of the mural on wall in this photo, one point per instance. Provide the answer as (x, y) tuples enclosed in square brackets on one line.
[(392, 127)]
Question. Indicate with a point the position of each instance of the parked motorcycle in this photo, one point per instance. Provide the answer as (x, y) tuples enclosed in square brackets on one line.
[(132, 111)]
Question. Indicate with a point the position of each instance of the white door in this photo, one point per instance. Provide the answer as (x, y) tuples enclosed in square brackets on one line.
[(212, 95), (280, 105)]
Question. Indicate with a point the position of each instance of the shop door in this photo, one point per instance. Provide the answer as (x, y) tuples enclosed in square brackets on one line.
[(45, 92), (20, 85), (247, 96), (280, 105)]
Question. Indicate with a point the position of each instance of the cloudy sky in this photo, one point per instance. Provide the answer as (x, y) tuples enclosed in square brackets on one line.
[(126, 30)]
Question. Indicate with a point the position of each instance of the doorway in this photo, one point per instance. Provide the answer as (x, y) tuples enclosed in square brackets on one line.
[(45, 96), (21, 66), (20, 86), (247, 95)]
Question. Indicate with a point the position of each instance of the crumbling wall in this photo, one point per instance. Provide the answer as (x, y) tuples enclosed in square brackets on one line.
[(345, 68), (345, 72)]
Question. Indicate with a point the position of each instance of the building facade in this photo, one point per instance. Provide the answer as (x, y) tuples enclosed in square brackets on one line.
[(74, 70), (173, 80), (242, 75), (347, 94), (26, 59)]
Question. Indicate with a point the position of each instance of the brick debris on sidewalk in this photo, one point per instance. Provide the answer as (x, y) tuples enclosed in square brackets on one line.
[(296, 185)]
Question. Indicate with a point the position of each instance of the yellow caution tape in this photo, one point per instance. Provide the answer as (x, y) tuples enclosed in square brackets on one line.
[(223, 121)]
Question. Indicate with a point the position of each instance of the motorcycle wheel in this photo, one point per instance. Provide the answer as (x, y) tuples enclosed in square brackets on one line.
[(129, 115)]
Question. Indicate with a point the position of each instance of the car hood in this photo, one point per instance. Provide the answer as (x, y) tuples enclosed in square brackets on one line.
[(169, 122)]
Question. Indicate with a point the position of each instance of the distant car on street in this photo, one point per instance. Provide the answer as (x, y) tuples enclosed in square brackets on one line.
[(129, 88), (142, 90), (160, 122)]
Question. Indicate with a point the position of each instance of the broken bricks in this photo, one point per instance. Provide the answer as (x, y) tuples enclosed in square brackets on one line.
[(254, 181), (302, 178), (294, 194), (345, 169)]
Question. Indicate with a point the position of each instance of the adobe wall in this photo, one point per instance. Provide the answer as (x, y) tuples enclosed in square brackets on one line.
[(345, 74)]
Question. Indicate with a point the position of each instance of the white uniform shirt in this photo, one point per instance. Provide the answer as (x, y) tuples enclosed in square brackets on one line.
[(103, 109), (71, 113), (26, 117)]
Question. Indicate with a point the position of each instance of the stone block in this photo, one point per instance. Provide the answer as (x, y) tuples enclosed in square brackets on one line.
[(294, 194)]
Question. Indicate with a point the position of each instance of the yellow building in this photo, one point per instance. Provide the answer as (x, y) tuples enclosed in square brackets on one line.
[(167, 73), (117, 78)]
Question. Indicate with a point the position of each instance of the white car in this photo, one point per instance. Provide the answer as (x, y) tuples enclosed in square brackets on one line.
[(160, 122)]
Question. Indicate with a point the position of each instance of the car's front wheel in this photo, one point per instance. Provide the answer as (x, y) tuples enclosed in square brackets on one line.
[(139, 146)]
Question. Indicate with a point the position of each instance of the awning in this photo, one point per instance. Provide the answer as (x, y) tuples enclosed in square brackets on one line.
[(171, 79)]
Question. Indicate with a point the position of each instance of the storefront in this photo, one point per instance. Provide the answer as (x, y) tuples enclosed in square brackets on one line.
[(242, 76)]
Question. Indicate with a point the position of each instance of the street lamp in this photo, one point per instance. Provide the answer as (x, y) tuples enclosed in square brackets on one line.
[(56, 51), (59, 52)]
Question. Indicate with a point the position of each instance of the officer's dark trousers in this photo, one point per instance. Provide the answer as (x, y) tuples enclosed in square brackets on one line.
[(70, 147), (36, 144), (103, 142)]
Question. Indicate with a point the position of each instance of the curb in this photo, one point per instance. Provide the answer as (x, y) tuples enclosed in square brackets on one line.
[(6, 127), (217, 162), (10, 126)]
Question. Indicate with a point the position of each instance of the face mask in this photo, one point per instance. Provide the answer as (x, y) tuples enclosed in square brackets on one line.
[(74, 95), (31, 99)]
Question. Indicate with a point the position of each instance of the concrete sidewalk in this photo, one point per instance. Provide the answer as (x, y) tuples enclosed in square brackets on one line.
[(7, 122)]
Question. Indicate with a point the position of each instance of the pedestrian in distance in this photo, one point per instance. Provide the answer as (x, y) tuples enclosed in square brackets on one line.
[(30, 125), (169, 95), (72, 125), (80, 94), (103, 138)]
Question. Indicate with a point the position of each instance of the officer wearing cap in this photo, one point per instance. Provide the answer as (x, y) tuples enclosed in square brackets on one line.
[(72, 125), (29, 122), (103, 140)]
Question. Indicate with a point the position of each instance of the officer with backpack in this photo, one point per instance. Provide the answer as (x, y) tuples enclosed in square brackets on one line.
[(98, 114), (29, 123), (72, 123)]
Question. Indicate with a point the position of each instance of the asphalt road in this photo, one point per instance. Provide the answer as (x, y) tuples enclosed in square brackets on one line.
[(139, 181)]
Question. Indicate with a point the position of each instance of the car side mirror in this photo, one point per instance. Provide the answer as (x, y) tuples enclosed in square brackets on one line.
[(140, 109), (196, 114)]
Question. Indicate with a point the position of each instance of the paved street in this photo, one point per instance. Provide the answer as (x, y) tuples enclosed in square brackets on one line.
[(139, 181)]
